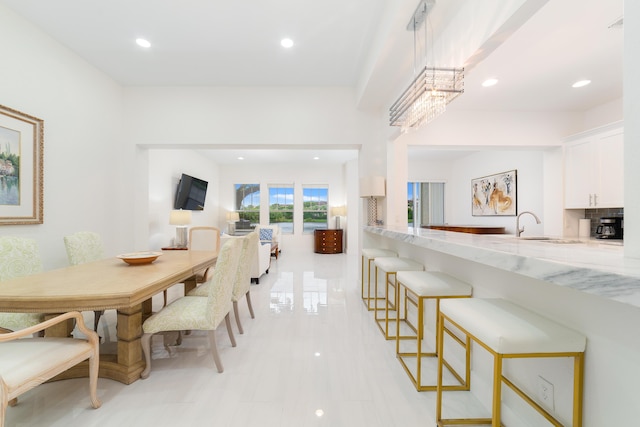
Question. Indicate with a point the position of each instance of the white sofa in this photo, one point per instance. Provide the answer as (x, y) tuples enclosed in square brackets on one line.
[(262, 261)]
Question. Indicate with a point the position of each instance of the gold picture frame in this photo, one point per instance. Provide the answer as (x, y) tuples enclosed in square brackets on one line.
[(21, 168)]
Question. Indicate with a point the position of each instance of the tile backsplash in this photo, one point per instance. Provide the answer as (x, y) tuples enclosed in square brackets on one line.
[(595, 214)]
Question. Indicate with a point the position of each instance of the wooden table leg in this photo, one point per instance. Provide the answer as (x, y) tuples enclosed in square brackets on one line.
[(190, 284), (127, 364), (62, 329)]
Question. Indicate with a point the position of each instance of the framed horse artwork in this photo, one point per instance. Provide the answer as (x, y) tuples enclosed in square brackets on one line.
[(495, 195)]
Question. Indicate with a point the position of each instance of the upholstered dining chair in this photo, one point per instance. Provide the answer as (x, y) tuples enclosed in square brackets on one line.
[(197, 313), (83, 247), (204, 239), (26, 362), (242, 279), (19, 257)]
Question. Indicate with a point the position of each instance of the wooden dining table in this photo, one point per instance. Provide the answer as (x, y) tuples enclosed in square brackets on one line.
[(101, 285)]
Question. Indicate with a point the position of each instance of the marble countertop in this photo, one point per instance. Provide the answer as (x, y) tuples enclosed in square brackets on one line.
[(592, 266)]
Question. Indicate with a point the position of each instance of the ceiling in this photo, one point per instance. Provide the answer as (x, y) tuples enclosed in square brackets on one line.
[(544, 47)]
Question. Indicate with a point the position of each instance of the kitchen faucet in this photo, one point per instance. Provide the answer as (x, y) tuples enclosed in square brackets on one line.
[(520, 230)]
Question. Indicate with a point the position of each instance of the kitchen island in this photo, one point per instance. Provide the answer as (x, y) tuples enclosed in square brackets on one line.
[(586, 285), (591, 266)]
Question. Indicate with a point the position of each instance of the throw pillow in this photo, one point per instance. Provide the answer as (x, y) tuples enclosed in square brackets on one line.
[(266, 234)]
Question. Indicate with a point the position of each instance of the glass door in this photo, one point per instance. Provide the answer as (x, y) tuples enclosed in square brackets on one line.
[(425, 203)]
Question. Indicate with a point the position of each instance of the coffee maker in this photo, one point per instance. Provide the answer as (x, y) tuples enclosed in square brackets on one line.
[(610, 228)]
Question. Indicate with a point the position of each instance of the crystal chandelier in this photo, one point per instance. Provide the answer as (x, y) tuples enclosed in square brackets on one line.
[(428, 95)]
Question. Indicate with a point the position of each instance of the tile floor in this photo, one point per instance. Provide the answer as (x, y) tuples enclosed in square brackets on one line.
[(313, 356)]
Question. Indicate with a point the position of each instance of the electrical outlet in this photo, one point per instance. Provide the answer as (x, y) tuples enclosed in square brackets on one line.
[(545, 393)]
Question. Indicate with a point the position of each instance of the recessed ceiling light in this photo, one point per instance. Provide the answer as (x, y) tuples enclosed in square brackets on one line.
[(240, 158), (581, 83), (489, 82), (319, 413), (143, 43), (316, 158), (286, 43)]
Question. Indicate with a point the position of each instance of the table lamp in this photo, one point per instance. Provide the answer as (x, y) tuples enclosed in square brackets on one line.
[(372, 187), (181, 219), (232, 217), (338, 211)]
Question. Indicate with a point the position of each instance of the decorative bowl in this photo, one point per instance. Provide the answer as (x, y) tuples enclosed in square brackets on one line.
[(138, 258)]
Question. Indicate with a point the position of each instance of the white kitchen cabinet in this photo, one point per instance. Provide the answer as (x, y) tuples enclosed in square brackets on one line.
[(594, 169)]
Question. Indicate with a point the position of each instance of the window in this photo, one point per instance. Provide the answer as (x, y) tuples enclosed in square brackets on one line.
[(314, 210), (425, 204), (248, 202), (281, 207)]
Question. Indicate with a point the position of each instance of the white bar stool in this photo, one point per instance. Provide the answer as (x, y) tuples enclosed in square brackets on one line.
[(390, 266), (507, 330), (368, 255), (420, 286)]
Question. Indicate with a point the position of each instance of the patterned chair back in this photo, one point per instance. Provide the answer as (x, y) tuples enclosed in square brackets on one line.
[(219, 300), (249, 252), (19, 257), (83, 247)]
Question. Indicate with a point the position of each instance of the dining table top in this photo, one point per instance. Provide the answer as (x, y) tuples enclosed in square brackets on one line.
[(109, 283)]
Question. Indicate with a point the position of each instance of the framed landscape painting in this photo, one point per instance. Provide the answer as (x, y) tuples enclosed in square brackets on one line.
[(495, 195), (21, 168)]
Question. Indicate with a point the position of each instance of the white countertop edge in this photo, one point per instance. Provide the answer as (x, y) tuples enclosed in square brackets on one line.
[(598, 269)]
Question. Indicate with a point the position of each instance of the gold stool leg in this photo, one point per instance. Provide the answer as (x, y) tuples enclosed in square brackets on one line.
[(375, 298), (578, 389), (365, 300), (440, 351), (419, 335), (387, 303), (394, 307), (497, 390)]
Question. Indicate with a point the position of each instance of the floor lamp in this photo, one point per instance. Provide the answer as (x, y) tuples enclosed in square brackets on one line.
[(370, 188)]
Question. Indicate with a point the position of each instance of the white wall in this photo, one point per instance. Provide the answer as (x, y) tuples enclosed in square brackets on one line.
[(539, 186), (246, 116), (165, 169), (529, 166), (631, 129), (85, 181), (532, 186), (604, 114)]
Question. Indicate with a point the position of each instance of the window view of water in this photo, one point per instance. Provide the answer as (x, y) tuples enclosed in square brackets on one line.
[(308, 228), (9, 190), (285, 227), (281, 206)]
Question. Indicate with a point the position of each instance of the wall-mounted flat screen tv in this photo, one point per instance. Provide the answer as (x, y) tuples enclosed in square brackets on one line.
[(191, 193)]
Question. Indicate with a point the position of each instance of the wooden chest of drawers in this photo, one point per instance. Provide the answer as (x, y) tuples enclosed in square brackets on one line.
[(328, 241)]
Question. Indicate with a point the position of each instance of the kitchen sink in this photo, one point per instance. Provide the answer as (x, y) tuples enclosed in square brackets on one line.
[(536, 238), (563, 241), (547, 239)]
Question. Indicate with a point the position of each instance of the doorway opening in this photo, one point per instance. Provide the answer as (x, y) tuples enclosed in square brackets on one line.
[(425, 203)]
